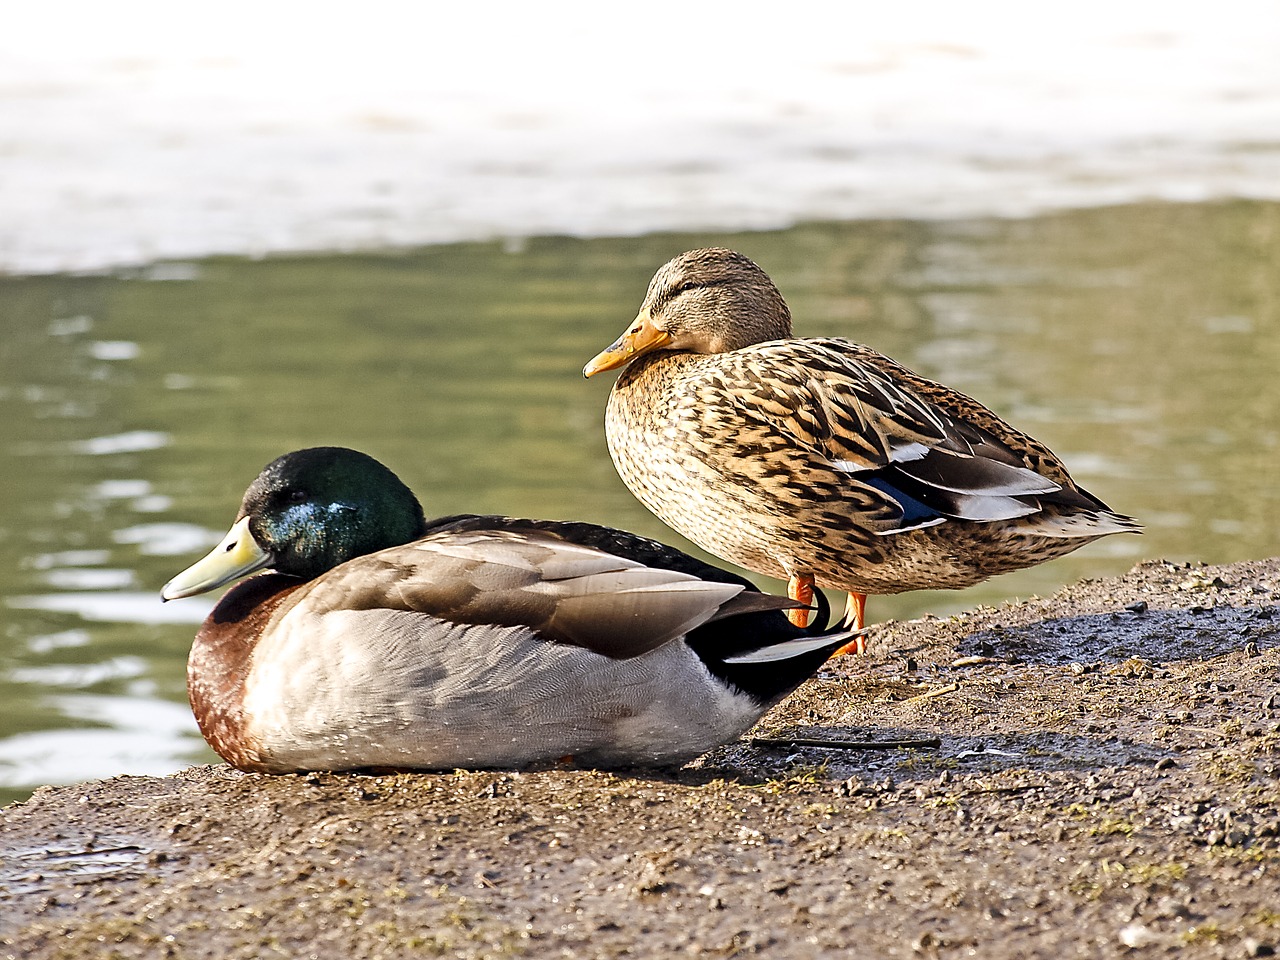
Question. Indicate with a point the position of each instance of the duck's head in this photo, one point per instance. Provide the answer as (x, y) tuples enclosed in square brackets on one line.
[(307, 512), (703, 301)]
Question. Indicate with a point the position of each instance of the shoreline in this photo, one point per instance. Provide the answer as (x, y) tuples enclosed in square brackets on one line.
[(1108, 777)]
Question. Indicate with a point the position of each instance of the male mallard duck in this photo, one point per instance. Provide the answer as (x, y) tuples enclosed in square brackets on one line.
[(381, 640), (819, 461)]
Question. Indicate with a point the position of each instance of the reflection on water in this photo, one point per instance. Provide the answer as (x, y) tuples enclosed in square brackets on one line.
[(114, 607), (1141, 343), (138, 734)]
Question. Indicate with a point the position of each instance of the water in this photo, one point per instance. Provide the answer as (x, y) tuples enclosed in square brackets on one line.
[(131, 137), (1140, 342)]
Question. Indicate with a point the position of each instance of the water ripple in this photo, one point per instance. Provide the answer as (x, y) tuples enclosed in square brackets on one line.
[(117, 607), (167, 539), (133, 441)]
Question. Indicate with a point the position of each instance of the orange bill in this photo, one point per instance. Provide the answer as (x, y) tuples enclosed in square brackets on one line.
[(641, 338)]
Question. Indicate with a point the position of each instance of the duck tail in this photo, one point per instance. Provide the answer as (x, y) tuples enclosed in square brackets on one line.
[(1084, 525), (789, 649), (781, 663)]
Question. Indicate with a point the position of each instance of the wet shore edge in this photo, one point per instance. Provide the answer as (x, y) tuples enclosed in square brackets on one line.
[(1087, 772)]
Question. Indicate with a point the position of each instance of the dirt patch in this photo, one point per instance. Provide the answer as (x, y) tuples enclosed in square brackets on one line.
[(1107, 780)]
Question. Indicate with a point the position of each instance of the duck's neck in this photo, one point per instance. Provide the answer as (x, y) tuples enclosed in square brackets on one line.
[(219, 664)]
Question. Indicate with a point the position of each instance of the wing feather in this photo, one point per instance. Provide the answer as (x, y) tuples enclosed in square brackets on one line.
[(565, 592), (880, 425)]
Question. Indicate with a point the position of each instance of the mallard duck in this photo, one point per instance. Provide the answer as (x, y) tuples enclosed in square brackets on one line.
[(383, 641), (820, 461)]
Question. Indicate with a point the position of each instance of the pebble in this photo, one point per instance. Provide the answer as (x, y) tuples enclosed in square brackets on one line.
[(1137, 935), (925, 943)]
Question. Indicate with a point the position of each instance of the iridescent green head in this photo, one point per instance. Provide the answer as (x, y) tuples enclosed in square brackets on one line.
[(307, 512)]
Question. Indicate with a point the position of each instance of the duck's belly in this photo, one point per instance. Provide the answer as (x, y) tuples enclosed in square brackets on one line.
[(473, 696), (767, 507)]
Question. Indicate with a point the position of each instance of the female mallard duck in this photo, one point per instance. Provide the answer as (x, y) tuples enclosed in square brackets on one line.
[(819, 461), (381, 640)]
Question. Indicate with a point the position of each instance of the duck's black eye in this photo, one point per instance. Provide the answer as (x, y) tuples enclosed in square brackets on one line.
[(296, 496), (689, 286)]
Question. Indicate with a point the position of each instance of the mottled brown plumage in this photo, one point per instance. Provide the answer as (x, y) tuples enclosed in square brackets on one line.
[(819, 460)]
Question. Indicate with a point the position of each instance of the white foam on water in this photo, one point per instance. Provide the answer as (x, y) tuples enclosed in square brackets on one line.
[(129, 132)]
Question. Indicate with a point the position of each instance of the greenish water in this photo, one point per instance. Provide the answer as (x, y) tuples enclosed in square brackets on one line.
[(1141, 343)]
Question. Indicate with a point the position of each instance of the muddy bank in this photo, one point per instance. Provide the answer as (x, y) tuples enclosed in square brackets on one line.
[(1107, 780)]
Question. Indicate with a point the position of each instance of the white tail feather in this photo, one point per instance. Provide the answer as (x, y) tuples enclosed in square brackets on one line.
[(795, 648)]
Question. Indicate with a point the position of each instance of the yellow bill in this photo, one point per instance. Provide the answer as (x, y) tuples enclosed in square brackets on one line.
[(236, 556)]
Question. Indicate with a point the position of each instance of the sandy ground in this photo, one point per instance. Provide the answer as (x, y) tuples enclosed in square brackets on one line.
[(1107, 783)]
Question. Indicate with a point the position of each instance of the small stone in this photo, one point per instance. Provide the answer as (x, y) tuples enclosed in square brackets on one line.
[(1257, 948), (925, 943), (1137, 935), (849, 787), (1138, 607)]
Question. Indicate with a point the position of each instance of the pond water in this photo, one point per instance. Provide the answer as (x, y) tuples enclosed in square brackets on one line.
[(130, 139), (1141, 342)]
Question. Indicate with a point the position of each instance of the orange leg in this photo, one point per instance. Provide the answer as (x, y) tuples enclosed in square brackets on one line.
[(855, 611), (800, 587), (855, 616)]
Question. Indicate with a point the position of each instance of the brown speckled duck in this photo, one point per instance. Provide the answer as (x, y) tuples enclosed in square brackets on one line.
[(384, 640), (819, 461)]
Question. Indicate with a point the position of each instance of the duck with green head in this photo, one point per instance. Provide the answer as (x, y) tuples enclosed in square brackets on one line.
[(819, 461), (381, 640)]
